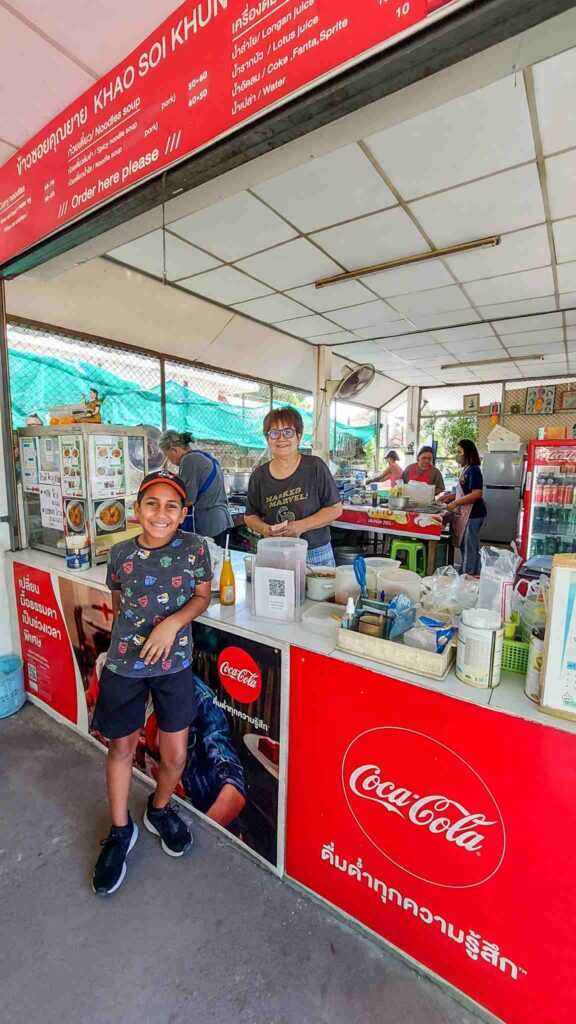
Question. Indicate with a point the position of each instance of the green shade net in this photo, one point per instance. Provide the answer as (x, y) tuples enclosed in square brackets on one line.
[(39, 383)]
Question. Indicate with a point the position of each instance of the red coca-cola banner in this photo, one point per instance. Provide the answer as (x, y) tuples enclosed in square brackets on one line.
[(46, 651), (212, 66), (407, 810)]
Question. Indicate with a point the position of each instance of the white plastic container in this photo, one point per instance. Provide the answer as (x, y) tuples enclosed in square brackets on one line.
[(284, 553), (373, 567), (399, 581), (78, 552), (479, 653), (346, 584), (324, 618)]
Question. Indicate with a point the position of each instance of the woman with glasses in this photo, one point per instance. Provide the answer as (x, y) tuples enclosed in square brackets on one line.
[(208, 512), (293, 495)]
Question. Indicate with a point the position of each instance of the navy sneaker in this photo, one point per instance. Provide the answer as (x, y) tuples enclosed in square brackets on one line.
[(110, 870), (174, 834)]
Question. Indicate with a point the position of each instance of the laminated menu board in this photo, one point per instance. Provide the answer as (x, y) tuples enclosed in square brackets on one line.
[(72, 462), (49, 460), (29, 464), (107, 466), (51, 513)]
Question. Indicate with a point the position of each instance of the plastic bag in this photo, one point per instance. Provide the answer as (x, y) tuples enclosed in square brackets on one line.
[(429, 635), (447, 594), (530, 600), (499, 568)]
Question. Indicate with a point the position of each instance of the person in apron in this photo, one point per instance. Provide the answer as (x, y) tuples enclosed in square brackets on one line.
[(424, 471), (467, 507), (208, 512)]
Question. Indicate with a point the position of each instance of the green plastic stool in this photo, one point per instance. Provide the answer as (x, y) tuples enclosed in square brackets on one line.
[(414, 553)]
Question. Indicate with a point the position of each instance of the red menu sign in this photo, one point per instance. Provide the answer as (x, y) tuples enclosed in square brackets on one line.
[(406, 811), (46, 652), (212, 66)]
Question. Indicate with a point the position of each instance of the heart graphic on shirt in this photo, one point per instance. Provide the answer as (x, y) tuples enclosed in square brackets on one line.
[(122, 648), (128, 567), (177, 581), (149, 581), (143, 602), (166, 666)]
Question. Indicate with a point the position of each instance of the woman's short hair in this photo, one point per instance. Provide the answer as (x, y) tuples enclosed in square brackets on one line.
[(173, 439), (470, 452), (286, 416), (426, 450), (393, 455)]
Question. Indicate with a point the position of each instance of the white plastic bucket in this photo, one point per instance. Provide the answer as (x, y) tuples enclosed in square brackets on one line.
[(479, 653), (532, 687)]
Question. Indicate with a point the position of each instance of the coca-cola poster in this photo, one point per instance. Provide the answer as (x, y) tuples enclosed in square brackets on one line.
[(445, 827), (233, 764)]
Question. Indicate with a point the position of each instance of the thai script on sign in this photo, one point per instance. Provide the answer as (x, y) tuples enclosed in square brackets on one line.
[(252, 13), (475, 947), (439, 814)]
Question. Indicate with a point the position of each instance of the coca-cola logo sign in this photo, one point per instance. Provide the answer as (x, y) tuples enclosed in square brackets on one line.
[(239, 675), (423, 807)]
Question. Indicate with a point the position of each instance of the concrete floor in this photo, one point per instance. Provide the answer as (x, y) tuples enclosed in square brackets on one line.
[(210, 938)]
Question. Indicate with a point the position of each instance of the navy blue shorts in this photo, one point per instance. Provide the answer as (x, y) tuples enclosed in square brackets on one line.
[(121, 705)]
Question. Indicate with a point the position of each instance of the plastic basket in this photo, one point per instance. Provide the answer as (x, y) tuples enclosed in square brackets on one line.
[(12, 695), (515, 656)]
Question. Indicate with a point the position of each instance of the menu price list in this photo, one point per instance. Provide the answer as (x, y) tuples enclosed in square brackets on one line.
[(212, 65)]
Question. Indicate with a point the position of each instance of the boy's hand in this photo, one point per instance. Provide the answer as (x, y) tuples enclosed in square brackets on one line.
[(160, 642)]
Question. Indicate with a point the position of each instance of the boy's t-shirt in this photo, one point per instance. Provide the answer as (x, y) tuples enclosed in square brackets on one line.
[(154, 583)]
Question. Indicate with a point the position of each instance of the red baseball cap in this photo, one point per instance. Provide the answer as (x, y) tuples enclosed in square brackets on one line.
[(162, 476)]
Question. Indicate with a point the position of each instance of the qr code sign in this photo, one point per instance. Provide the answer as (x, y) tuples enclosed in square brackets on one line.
[(277, 588)]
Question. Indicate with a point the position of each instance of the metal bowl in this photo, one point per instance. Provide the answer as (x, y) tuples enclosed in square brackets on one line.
[(399, 503)]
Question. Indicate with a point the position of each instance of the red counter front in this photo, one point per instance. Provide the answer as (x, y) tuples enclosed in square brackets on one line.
[(446, 828)]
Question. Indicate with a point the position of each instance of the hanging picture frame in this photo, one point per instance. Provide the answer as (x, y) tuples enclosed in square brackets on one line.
[(540, 400), (471, 403)]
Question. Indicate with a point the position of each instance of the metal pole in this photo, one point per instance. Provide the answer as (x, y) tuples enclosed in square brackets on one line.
[(163, 392), (6, 425)]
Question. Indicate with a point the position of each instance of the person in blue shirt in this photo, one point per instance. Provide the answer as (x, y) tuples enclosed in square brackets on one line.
[(468, 507)]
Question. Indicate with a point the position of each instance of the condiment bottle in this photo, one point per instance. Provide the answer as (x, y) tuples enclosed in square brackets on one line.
[(227, 580)]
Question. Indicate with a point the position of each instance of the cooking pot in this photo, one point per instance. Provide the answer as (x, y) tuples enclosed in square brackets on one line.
[(399, 503), (238, 481)]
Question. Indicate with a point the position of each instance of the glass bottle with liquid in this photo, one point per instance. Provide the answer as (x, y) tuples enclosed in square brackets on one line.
[(227, 581)]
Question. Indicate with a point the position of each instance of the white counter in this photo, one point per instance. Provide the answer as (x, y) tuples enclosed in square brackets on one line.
[(508, 697)]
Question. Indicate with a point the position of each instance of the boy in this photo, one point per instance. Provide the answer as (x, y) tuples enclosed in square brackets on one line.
[(160, 583)]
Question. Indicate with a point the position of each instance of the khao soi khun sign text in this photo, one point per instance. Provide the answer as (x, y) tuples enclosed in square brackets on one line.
[(210, 67)]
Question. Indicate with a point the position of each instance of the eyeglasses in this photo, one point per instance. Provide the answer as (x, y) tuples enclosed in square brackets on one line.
[(286, 432)]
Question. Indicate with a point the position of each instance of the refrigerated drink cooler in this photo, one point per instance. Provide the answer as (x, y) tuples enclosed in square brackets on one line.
[(550, 499), (81, 479)]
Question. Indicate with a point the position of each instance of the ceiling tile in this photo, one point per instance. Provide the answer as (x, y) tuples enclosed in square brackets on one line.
[(567, 277), (555, 86), (488, 352), (146, 253), (367, 315), (383, 236), (565, 239), (542, 338), (514, 309), (481, 133), (404, 280), (521, 250), (467, 335), (570, 319), (333, 188), (567, 300), (271, 308), (399, 326), (427, 355), (334, 339), (436, 301), (556, 348), (561, 174), (529, 323), (86, 30), (290, 265), (525, 285), (469, 349), (336, 296), (402, 345), (224, 285), (504, 202), (307, 326), (38, 81), (6, 152), (432, 322), (234, 227)]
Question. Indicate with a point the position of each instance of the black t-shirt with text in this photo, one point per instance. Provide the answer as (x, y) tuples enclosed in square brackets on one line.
[(310, 489)]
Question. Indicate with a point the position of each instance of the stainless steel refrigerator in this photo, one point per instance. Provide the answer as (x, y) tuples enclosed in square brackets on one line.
[(503, 474)]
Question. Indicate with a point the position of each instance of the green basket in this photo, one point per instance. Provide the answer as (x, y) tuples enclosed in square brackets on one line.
[(515, 656)]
